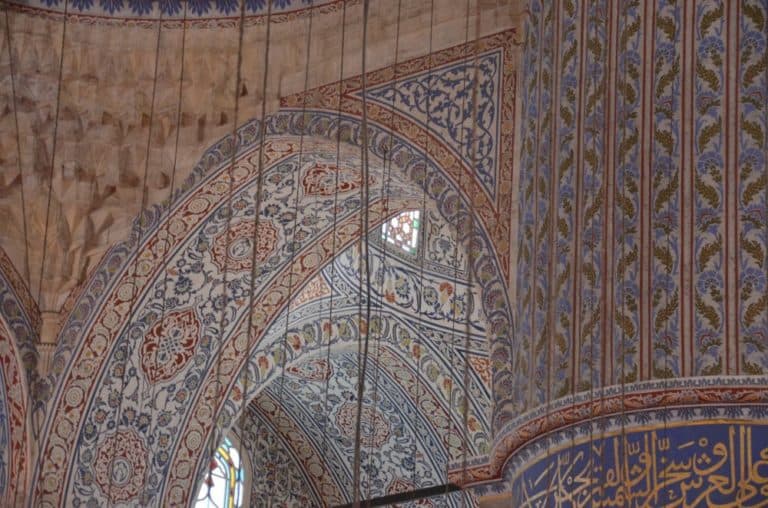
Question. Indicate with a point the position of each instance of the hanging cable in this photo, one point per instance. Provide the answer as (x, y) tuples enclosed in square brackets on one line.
[(593, 190), (137, 254), (334, 233), (554, 213), (53, 155), (170, 206), (12, 75), (471, 243), (385, 194), (293, 244), (623, 189), (364, 256), (213, 438), (21, 178), (423, 243), (251, 345)]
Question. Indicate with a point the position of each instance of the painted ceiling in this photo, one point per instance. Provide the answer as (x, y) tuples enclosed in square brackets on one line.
[(187, 322), (416, 373), (241, 292)]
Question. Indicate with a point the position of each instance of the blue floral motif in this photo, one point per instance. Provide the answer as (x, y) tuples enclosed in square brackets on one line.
[(111, 6), (140, 7)]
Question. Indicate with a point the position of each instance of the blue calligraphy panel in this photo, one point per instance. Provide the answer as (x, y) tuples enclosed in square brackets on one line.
[(708, 464)]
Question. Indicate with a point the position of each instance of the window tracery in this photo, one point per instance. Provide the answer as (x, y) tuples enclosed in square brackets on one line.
[(223, 486), (402, 231)]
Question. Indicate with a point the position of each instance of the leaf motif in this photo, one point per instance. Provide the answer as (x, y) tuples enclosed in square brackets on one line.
[(708, 192), (754, 249), (565, 164), (755, 188), (566, 115), (588, 269), (629, 32), (708, 312), (627, 91), (710, 17), (708, 75), (756, 69), (626, 261), (667, 25), (755, 14), (752, 369), (755, 130), (667, 79), (667, 312), (708, 252), (627, 144), (665, 139), (664, 255), (626, 205), (666, 194), (707, 133), (568, 55), (594, 208), (561, 344), (755, 309), (625, 324)]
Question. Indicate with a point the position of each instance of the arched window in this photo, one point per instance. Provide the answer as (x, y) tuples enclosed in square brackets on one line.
[(223, 486), (403, 231)]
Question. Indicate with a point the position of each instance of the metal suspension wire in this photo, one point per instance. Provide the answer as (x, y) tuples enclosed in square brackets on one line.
[(381, 277), (623, 189), (12, 75), (21, 177), (53, 154), (257, 212), (423, 241), (170, 205), (213, 439), (139, 241), (293, 245), (364, 257), (591, 85), (333, 241)]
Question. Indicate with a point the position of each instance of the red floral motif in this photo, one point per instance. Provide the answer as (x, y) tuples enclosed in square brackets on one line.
[(234, 251), (372, 435), (315, 289), (483, 368), (320, 180), (121, 461), (169, 344), (312, 370)]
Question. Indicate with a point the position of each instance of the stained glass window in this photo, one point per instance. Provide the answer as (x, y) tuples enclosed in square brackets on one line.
[(402, 231), (223, 485)]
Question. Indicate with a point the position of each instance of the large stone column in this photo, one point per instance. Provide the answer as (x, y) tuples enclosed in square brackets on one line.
[(642, 307)]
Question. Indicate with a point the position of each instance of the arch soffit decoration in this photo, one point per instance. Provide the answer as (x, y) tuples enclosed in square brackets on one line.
[(398, 366), (120, 258), (19, 325)]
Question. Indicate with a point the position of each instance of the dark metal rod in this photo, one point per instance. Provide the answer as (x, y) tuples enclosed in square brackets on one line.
[(402, 497)]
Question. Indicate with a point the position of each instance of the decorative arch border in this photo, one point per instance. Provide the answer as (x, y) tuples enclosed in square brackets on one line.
[(314, 123), (651, 397), (14, 417), (147, 13)]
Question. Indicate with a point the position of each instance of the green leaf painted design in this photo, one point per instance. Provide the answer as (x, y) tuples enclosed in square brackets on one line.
[(755, 249), (708, 192), (708, 75), (755, 309), (664, 255), (707, 312), (708, 251), (667, 312)]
